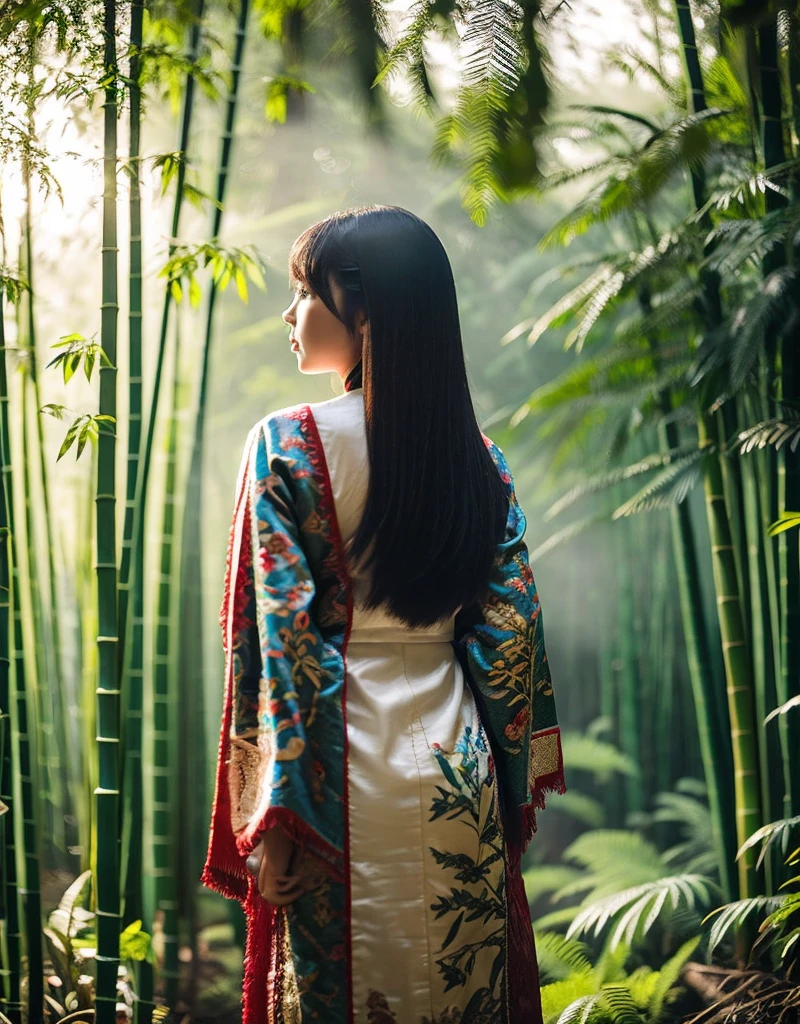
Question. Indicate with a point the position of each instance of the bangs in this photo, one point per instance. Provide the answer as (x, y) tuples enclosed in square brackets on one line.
[(307, 262)]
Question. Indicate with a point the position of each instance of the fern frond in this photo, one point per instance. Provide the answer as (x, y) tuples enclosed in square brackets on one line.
[(734, 915), (541, 879), (770, 307), (565, 534), (610, 478), (618, 1003), (558, 953), (597, 304), (608, 165), (777, 432), (736, 242), (614, 859), (668, 309), (617, 370), (669, 975), (580, 1011), (562, 311), (775, 833), (491, 45), (723, 86), (555, 919), (626, 115), (583, 808), (559, 996), (668, 488), (634, 911), (590, 754), (633, 65), (605, 201)]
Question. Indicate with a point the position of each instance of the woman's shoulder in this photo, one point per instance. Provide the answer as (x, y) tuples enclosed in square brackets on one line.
[(281, 424), (498, 457), (341, 402)]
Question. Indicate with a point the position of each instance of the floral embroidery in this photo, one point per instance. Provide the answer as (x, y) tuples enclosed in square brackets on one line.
[(481, 890), (516, 729)]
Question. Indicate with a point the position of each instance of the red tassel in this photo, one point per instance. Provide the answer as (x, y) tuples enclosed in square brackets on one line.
[(523, 998), (225, 871)]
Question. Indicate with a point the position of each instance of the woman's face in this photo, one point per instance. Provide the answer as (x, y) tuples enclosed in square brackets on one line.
[(322, 342)]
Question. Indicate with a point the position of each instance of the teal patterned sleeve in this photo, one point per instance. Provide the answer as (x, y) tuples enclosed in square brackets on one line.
[(500, 642), (279, 773)]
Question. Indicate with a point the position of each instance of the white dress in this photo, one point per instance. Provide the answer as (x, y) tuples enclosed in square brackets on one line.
[(427, 879)]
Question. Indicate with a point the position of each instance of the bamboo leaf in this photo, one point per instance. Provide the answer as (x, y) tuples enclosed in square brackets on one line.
[(241, 283), (788, 521), (793, 702)]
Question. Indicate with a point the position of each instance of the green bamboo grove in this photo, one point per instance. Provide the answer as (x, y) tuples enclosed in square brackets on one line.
[(647, 386)]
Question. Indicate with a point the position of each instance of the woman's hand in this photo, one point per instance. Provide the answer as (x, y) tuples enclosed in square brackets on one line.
[(270, 862)]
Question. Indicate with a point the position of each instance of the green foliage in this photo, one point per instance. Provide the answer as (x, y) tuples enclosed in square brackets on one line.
[(604, 994), (793, 702), (227, 265), (632, 912), (776, 833), (500, 99), (85, 428), (788, 521), (13, 286), (587, 753), (775, 432), (171, 165), (71, 944), (165, 64), (733, 916), (778, 915), (78, 350), (278, 89), (687, 815)]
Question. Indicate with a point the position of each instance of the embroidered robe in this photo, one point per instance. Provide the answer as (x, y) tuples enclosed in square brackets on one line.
[(296, 749)]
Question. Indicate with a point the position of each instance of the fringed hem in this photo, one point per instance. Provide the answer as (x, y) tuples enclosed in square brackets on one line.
[(302, 834), (230, 884), (259, 996), (523, 995), (551, 782)]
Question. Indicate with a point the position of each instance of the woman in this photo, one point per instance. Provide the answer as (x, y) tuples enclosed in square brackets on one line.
[(389, 723)]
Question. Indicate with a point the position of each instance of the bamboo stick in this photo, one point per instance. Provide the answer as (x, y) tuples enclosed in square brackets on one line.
[(107, 796)]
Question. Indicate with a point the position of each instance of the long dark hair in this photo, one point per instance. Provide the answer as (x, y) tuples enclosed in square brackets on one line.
[(436, 506)]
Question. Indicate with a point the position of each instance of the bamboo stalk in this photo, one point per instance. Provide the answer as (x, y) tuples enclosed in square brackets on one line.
[(783, 357), (107, 797), (12, 945), (737, 670), (739, 685), (132, 564), (132, 581), (132, 827), (166, 804), (133, 823), (629, 682), (192, 839), (53, 723), (28, 654)]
